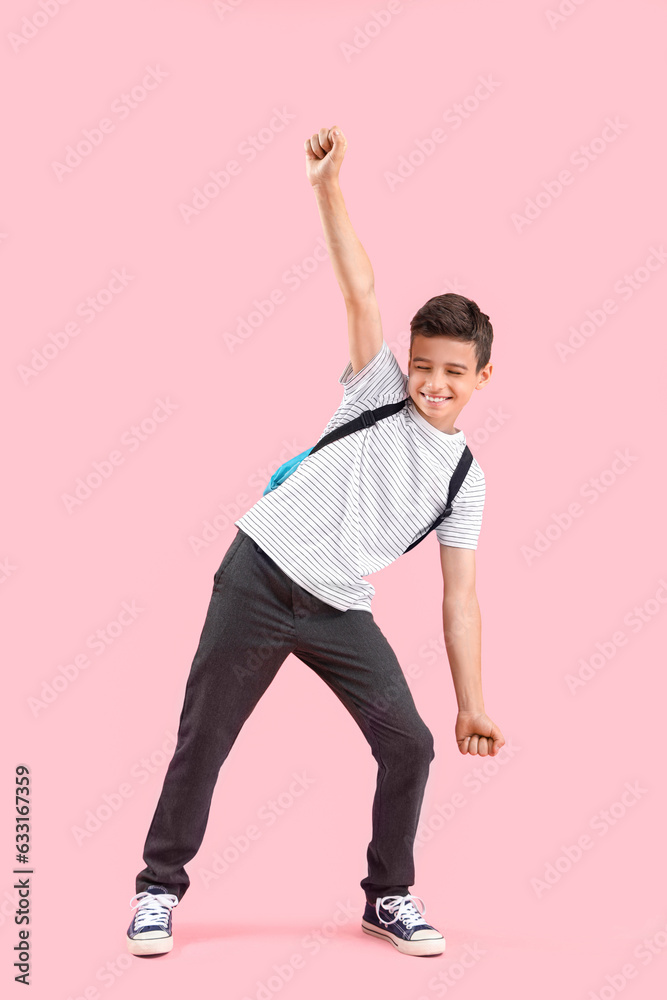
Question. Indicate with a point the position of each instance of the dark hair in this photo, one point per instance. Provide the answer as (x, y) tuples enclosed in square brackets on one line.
[(452, 315)]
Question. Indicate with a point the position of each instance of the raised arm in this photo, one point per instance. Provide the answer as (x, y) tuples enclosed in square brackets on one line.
[(324, 155)]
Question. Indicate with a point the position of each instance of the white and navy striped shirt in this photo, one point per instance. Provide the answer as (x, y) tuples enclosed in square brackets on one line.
[(355, 505)]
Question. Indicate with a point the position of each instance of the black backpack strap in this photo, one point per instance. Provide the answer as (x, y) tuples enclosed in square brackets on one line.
[(455, 483), (365, 419)]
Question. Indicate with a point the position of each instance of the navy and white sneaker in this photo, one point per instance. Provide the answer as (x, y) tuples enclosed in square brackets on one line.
[(150, 930), (397, 919)]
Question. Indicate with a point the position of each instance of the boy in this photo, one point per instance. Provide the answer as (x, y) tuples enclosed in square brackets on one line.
[(292, 582)]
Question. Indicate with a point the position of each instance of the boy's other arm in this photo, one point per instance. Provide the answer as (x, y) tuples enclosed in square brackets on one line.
[(324, 154), (462, 626)]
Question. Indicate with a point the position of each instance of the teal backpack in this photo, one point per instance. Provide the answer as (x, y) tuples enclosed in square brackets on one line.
[(367, 419)]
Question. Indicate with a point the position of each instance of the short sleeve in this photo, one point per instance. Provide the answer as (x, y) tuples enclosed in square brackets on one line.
[(461, 529), (381, 379)]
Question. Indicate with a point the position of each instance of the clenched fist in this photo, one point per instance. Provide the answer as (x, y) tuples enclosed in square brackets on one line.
[(324, 154), (477, 734)]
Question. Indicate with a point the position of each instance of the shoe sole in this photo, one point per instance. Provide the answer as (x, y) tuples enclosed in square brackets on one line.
[(433, 946), (150, 946)]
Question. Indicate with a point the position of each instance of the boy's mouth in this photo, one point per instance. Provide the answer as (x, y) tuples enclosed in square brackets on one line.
[(434, 400)]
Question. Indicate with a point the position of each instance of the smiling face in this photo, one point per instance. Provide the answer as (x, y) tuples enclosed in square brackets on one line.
[(442, 378)]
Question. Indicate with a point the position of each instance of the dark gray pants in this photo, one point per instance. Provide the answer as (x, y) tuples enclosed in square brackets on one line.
[(257, 616)]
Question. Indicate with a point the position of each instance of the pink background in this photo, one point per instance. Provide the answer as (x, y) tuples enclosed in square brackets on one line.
[(546, 432)]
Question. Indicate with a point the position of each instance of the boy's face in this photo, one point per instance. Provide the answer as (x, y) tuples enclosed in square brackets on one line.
[(443, 368)]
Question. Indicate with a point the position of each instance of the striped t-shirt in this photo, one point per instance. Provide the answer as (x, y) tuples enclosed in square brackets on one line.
[(355, 505)]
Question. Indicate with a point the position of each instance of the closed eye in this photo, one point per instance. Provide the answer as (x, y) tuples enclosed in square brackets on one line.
[(423, 369)]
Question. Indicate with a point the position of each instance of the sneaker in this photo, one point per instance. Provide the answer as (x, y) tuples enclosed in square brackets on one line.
[(150, 930), (397, 919)]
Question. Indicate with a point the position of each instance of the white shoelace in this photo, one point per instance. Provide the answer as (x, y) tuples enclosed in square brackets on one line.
[(152, 908), (403, 907)]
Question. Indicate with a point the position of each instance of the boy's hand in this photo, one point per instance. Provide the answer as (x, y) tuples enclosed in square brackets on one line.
[(476, 733), (324, 154)]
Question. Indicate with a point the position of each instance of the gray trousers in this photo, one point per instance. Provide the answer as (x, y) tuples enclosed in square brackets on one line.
[(257, 616)]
